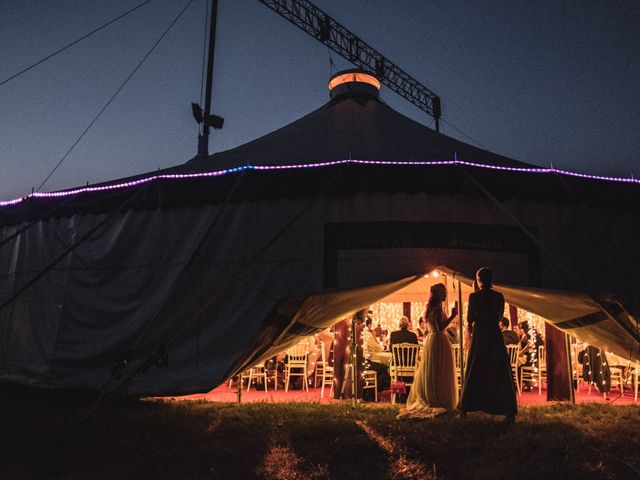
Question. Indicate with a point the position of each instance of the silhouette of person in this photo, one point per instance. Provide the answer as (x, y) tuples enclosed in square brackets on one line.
[(488, 383)]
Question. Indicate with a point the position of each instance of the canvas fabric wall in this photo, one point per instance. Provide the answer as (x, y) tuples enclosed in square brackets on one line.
[(211, 282)]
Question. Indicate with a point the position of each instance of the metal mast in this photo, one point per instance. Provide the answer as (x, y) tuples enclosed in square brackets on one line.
[(206, 118), (326, 30)]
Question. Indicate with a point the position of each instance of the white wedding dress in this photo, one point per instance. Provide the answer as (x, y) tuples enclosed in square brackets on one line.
[(434, 389)]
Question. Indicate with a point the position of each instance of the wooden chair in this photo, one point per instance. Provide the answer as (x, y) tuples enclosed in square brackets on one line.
[(327, 372), (296, 365), (617, 375), (255, 373), (371, 381), (514, 352), (318, 369), (264, 374), (404, 363), (241, 377)]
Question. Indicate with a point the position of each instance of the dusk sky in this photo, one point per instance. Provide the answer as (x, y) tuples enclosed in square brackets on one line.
[(542, 82)]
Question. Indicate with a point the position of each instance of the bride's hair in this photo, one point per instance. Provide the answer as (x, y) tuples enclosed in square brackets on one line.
[(437, 297)]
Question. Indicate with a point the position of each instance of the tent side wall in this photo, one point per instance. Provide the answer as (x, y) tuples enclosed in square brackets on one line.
[(140, 283)]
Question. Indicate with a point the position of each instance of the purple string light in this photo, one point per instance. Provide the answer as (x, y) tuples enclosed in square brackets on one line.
[(183, 176)]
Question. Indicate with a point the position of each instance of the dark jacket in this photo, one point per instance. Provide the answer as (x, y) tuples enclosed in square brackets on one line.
[(510, 337), (402, 336)]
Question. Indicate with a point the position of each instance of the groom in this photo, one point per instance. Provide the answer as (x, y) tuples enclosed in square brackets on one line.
[(488, 382)]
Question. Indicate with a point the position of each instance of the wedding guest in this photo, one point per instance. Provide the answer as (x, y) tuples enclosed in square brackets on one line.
[(452, 330), (508, 336), (378, 331), (371, 343), (403, 335), (489, 384), (371, 347)]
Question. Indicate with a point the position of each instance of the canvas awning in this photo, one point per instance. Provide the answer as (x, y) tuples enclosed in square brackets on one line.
[(604, 324)]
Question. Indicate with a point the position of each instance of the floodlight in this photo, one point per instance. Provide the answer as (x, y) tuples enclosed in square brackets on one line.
[(197, 112), (215, 121)]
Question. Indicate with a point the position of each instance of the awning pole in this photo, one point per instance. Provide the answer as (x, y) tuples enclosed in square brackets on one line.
[(354, 363), (239, 389), (461, 335)]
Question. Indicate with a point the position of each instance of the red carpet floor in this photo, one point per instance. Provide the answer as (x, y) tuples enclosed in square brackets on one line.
[(225, 394)]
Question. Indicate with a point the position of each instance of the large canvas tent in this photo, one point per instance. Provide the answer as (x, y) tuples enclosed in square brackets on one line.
[(196, 271)]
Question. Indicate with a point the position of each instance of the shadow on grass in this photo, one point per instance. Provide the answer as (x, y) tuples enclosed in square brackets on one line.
[(551, 442), (330, 438)]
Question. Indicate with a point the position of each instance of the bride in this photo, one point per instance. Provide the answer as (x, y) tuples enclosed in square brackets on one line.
[(434, 389)]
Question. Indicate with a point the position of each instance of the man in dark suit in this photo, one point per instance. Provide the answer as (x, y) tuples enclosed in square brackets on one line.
[(509, 336), (403, 335)]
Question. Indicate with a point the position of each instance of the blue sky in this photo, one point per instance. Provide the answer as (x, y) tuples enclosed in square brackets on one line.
[(542, 82)]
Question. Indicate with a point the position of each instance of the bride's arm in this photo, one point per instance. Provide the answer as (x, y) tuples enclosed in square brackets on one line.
[(444, 322)]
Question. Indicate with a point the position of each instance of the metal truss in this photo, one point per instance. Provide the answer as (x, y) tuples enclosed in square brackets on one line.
[(326, 30)]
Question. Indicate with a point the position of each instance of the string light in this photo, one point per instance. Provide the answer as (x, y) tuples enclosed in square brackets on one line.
[(183, 176)]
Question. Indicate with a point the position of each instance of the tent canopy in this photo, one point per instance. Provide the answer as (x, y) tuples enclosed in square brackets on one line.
[(576, 314)]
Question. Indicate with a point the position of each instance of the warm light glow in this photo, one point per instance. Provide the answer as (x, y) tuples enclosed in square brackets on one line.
[(435, 274), (354, 77)]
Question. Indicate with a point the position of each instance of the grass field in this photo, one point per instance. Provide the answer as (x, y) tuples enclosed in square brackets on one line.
[(131, 439)]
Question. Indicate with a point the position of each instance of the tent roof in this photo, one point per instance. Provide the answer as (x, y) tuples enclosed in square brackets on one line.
[(350, 126)]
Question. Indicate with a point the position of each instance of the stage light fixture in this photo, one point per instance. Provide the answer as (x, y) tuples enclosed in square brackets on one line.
[(197, 112)]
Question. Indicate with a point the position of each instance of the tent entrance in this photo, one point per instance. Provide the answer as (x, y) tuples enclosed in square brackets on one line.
[(588, 320)]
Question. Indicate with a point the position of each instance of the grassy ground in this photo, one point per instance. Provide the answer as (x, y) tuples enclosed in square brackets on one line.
[(185, 440)]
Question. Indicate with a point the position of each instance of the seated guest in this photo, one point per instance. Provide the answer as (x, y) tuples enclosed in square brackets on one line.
[(371, 343), (452, 330), (371, 346), (384, 339), (509, 336), (378, 332), (403, 335)]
